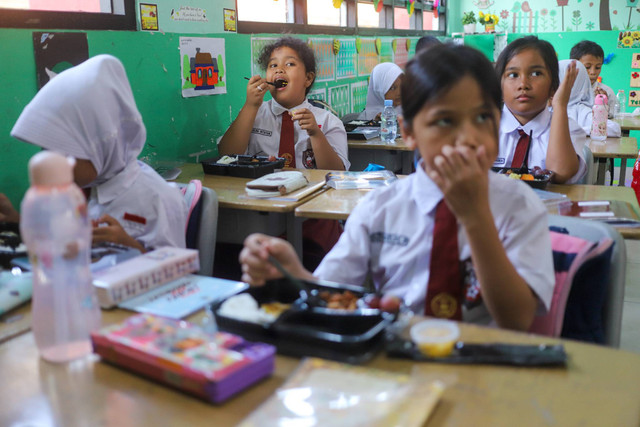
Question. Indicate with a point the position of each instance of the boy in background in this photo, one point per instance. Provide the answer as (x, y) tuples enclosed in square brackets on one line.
[(591, 55)]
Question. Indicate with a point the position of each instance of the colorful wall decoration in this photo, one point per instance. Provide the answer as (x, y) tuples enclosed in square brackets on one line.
[(367, 57), (319, 94), (359, 96), (203, 66), (346, 60), (539, 16), (325, 59), (400, 52), (257, 43), (339, 99)]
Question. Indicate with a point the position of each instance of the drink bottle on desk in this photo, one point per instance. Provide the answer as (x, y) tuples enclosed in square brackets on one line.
[(635, 183), (599, 119), (622, 100), (388, 122), (57, 232)]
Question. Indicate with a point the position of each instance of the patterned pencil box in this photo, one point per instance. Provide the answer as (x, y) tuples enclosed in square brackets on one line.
[(213, 367)]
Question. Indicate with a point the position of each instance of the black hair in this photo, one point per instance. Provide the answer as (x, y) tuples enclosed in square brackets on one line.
[(302, 49), (586, 47), (432, 72), (544, 48), (426, 42)]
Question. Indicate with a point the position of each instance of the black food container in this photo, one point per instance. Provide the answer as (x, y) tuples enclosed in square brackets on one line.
[(244, 167)]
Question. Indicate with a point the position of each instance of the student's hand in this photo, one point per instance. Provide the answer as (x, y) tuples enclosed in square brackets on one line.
[(461, 173), (7, 211), (560, 99), (254, 258), (256, 89), (108, 229), (306, 120), (377, 117)]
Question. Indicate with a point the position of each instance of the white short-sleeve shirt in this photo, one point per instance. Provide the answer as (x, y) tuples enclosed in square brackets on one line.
[(149, 209), (389, 235), (539, 128), (265, 135)]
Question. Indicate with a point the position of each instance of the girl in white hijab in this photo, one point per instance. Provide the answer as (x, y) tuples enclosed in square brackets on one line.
[(89, 112), (582, 99), (384, 83)]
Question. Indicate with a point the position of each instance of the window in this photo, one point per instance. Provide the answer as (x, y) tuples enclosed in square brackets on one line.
[(69, 14), (401, 19), (368, 17), (322, 12), (260, 11), (429, 22)]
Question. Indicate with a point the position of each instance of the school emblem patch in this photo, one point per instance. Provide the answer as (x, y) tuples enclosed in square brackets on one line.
[(288, 158), (444, 305), (309, 159)]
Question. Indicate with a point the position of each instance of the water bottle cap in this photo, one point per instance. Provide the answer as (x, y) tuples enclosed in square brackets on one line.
[(388, 102), (49, 169), (601, 99)]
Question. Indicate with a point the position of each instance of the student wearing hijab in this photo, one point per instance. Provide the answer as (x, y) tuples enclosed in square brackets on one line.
[(89, 112), (581, 100), (384, 83)]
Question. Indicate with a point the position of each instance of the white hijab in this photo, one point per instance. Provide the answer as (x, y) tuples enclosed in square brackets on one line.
[(87, 112), (381, 80), (581, 100)]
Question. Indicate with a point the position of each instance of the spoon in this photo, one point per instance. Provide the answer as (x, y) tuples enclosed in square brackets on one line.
[(278, 84), (311, 297)]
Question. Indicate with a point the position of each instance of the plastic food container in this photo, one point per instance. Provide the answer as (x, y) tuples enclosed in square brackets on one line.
[(435, 338), (540, 181), (243, 167)]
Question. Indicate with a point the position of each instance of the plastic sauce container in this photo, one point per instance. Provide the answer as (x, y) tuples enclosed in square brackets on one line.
[(435, 338)]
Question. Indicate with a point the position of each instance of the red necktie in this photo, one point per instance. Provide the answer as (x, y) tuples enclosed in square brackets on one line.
[(444, 292), (521, 150), (287, 146)]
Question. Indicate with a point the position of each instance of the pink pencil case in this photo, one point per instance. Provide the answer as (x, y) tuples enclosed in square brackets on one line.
[(179, 354)]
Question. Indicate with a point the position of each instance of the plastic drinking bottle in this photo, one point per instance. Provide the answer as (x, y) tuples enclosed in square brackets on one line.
[(599, 119), (388, 122)]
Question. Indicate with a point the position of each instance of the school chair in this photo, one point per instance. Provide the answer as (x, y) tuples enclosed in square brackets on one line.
[(589, 303), (590, 177), (202, 222), (322, 104)]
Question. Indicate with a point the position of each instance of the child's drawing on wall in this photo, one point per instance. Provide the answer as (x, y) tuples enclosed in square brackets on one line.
[(203, 66)]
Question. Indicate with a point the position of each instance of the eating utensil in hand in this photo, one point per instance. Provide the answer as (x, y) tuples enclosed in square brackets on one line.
[(278, 84), (311, 297)]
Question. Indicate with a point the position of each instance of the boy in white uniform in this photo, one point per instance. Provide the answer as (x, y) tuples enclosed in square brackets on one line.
[(451, 113), (89, 112), (591, 55)]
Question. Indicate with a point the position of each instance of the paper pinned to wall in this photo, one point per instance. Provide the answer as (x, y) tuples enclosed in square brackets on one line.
[(368, 57), (346, 60), (257, 43), (339, 99), (319, 94), (359, 96), (203, 68), (635, 60), (401, 54), (325, 59)]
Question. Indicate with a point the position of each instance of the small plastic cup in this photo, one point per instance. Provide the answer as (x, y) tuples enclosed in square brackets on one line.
[(435, 338)]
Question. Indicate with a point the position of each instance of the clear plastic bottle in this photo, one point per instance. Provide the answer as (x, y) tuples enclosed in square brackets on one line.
[(388, 122), (622, 101), (55, 227), (599, 119)]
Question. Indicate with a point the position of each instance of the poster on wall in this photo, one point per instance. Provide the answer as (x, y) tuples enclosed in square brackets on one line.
[(325, 59), (368, 56), (626, 40), (400, 52), (148, 17), (229, 20), (635, 60), (339, 99), (635, 79), (203, 68), (346, 59), (634, 98), (319, 94), (56, 52), (359, 96)]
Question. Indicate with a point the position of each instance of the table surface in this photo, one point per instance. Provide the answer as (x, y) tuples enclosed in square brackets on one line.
[(338, 204), (600, 386), (618, 148), (231, 190), (377, 144), (628, 123)]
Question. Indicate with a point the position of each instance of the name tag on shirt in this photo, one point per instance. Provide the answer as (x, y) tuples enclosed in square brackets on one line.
[(500, 161), (262, 132)]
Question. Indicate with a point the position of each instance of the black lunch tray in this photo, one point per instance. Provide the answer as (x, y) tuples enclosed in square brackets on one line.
[(352, 337), (536, 183), (244, 167), (10, 237)]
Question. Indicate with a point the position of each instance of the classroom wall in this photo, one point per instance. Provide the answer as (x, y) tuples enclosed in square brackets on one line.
[(552, 15)]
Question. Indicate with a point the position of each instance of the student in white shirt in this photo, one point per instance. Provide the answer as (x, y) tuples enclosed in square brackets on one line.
[(319, 137), (385, 83), (89, 112), (581, 100), (451, 113), (591, 55), (528, 69)]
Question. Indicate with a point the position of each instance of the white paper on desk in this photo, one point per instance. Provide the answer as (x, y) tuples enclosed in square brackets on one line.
[(183, 296), (294, 196)]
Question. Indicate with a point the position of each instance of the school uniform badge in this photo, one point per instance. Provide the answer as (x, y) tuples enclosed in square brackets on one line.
[(444, 305), (309, 159)]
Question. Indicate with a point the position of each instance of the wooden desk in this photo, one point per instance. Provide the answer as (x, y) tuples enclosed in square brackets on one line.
[(613, 148), (628, 123), (601, 192), (600, 387), (381, 153), (231, 196)]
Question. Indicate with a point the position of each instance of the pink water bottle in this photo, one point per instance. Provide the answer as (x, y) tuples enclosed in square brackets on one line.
[(599, 119), (55, 227), (635, 183)]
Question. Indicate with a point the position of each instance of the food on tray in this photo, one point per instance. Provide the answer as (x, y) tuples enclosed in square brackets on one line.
[(435, 338), (274, 308), (346, 300), (226, 160), (245, 307)]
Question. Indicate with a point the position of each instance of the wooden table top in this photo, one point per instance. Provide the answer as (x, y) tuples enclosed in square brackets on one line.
[(231, 190), (628, 123), (600, 386), (619, 148), (377, 144)]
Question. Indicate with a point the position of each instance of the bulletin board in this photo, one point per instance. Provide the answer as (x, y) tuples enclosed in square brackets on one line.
[(367, 57), (346, 60), (339, 99), (359, 95), (325, 59)]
